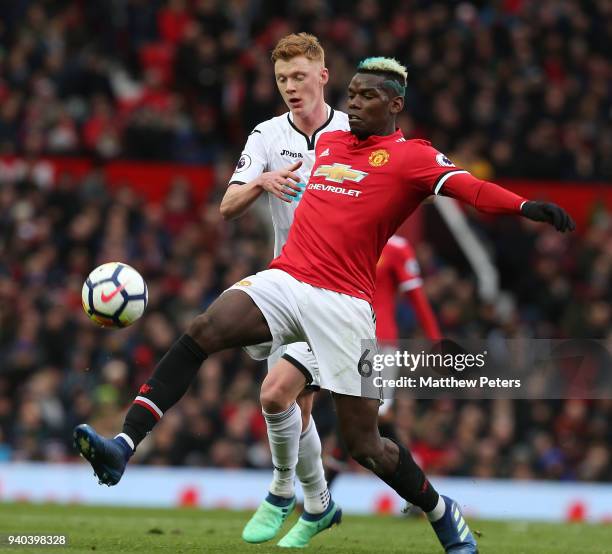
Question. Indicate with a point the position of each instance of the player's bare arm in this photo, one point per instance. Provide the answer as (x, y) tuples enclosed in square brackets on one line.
[(282, 183)]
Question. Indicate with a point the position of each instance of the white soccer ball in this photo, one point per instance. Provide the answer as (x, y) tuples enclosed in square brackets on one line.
[(114, 295)]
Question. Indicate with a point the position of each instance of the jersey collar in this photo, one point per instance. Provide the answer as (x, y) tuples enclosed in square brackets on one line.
[(310, 141)]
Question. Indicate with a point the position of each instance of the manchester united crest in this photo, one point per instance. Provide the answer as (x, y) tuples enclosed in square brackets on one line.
[(378, 158)]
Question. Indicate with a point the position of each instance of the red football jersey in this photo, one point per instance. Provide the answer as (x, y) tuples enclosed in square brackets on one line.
[(397, 270), (359, 193)]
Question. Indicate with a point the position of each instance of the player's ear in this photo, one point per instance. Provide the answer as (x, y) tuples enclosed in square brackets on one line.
[(396, 105), (324, 75)]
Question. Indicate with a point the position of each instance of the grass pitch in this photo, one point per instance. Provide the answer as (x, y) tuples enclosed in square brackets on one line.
[(125, 530)]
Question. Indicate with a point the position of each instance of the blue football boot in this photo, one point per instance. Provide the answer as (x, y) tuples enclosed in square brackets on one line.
[(108, 457), (453, 531)]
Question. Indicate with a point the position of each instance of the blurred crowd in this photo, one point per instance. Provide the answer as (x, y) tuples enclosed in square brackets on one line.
[(507, 88), (58, 369), (511, 87)]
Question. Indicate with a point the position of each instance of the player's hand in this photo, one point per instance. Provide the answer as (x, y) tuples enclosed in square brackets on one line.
[(549, 213), (283, 183)]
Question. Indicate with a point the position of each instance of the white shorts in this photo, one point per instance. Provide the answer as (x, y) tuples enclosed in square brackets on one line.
[(333, 324), (301, 356)]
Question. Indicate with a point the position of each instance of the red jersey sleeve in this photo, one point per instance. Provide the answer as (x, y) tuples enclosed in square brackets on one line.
[(405, 266), (435, 173)]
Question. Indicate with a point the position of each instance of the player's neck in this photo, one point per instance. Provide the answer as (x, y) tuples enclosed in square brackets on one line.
[(387, 129), (314, 120), (384, 131)]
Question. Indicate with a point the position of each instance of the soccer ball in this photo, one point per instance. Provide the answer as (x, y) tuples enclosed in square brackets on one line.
[(114, 295)]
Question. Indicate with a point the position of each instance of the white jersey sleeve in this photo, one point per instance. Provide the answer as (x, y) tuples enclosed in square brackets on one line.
[(253, 160)]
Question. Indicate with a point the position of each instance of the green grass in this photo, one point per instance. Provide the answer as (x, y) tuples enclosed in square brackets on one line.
[(122, 530)]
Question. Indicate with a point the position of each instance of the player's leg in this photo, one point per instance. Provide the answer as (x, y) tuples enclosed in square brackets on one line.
[(357, 419), (305, 401), (320, 511), (294, 443), (279, 391), (309, 469), (324, 327), (283, 414), (338, 328), (234, 319)]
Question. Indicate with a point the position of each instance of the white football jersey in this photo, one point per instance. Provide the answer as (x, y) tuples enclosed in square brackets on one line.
[(275, 144)]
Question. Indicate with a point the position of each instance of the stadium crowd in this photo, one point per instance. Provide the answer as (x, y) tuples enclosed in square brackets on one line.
[(59, 369), (185, 79), (512, 88)]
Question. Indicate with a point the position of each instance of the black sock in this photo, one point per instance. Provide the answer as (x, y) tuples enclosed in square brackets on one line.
[(410, 482), (169, 382)]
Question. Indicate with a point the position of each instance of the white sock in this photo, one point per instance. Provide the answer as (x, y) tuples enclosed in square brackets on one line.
[(284, 434), (127, 439), (310, 471), (438, 511)]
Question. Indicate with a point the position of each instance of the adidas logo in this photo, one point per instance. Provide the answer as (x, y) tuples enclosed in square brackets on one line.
[(462, 526), (324, 153)]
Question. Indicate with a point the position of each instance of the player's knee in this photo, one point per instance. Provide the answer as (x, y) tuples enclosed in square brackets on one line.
[(364, 451), (202, 330), (273, 398)]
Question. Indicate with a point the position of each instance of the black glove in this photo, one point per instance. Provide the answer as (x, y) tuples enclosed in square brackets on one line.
[(549, 213)]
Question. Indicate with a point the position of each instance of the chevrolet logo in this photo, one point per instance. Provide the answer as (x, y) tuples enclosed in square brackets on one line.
[(339, 172)]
